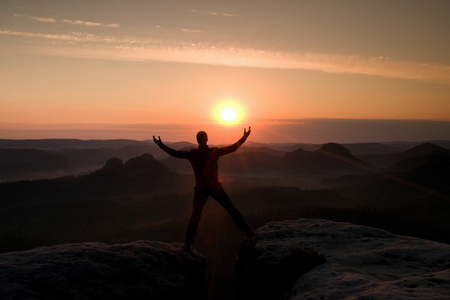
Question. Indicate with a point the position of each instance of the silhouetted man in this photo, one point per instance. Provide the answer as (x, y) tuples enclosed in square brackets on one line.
[(204, 162)]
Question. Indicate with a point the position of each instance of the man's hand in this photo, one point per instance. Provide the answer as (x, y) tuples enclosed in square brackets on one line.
[(157, 141), (247, 132)]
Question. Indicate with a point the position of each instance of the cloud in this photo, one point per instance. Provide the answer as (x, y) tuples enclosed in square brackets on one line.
[(192, 30), (74, 22), (70, 36), (39, 19), (212, 13), (90, 24), (114, 48)]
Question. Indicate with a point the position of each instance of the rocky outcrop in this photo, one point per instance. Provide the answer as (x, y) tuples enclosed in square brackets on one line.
[(300, 259), (136, 168), (320, 259), (137, 270)]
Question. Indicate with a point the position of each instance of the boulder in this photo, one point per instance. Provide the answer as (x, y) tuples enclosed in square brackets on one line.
[(321, 259), (137, 270)]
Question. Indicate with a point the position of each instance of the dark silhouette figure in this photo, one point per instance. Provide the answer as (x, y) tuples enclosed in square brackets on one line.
[(204, 161)]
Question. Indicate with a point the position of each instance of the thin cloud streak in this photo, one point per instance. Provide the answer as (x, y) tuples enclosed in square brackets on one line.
[(110, 47), (70, 36), (39, 19), (73, 22), (192, 30), (212, 13), (90, 24)]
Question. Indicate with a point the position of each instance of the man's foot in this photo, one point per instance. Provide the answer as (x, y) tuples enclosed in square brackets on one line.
[(192, 252), (250, 233), (249, 243)]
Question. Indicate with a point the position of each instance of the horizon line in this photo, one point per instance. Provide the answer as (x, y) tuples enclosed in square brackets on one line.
[(307, 130)]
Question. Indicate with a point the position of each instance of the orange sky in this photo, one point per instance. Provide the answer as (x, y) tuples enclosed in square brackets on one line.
[(72, 65)]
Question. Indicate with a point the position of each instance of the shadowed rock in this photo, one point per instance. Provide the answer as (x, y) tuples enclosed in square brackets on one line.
[(137, 270), (269, 272), (361, 263)]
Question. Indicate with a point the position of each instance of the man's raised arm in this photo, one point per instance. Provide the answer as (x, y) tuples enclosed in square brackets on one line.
[(235, 146), (170, 151)]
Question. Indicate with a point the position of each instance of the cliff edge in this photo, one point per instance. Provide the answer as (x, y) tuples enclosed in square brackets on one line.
[(137, 270)]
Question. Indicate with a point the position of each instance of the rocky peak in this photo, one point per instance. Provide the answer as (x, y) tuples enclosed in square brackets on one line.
[(423, 149), (141, 167), (113, 164), (335, 150)]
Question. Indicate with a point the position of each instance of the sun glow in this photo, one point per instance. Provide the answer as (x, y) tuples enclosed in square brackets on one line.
[(229, 112)]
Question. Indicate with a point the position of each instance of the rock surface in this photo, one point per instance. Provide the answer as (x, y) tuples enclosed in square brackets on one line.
[(358, 262), (137, 270)]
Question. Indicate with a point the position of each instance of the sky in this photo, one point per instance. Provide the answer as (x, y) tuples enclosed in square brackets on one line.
[(300, 71)]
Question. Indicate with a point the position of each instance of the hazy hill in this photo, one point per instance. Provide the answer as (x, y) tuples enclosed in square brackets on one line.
[(133, 150), (331, 157), (262, 149), (40, 159), (14, 163), (137, 175), (21, 164), (371, 148), (283, 147), (257, 163), (403, 160), (84, 158), (52, 144), (422, 149)]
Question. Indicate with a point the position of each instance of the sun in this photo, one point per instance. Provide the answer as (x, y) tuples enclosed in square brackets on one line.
[(229, 112), (229, 115)]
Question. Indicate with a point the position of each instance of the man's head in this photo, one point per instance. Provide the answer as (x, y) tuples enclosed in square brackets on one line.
[(202, 138)]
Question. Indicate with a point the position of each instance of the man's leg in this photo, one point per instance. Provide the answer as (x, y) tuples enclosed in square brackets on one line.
[(200, 197), (219, 194)]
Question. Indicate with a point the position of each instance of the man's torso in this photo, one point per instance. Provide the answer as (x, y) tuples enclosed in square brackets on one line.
[(204, 161)]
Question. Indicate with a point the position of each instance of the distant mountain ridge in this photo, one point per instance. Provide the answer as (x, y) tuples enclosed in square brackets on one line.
[(404, 160), (67, 143), (54, 158)]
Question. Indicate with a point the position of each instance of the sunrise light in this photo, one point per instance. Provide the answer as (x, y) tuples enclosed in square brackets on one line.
[(229, 112)]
